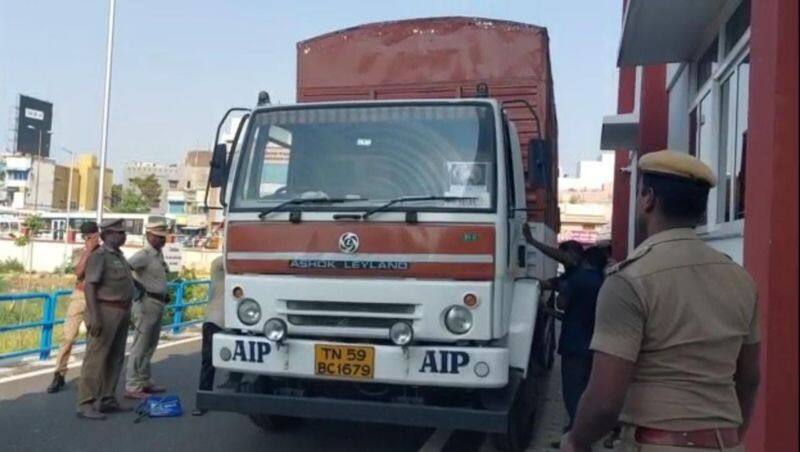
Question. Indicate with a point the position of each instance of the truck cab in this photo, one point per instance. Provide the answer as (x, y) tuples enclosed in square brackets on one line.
[(376, 268)]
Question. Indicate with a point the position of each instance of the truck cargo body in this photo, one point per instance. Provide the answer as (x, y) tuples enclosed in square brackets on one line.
[(444, 58)]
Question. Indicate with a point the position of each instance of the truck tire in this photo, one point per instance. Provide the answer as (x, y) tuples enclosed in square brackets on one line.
[(544, 343), (549, 343), (522, 416), (267, 422)]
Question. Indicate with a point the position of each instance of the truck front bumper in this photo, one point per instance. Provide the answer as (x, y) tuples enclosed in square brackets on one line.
[(429, 365), (493, 419)]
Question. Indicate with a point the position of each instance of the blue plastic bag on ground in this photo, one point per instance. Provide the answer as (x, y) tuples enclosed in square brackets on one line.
[(159, 406)]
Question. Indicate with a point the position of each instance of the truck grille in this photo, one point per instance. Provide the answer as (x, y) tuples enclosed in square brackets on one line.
[(347, 314)]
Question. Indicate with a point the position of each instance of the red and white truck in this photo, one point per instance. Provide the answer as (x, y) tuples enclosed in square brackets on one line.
[(375, 264)]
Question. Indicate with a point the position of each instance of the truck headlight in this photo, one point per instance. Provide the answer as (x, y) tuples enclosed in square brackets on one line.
[(458, 319), (401, 333), (249, 311), (275, 329)]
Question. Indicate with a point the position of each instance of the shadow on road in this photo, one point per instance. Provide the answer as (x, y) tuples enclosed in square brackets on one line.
[(32, 420)]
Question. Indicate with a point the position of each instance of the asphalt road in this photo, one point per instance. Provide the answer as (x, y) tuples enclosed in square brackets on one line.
[(32, 420)]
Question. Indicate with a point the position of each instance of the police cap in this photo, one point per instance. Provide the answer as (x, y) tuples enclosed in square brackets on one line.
[(158, 228), (113, 224), (678, 165)]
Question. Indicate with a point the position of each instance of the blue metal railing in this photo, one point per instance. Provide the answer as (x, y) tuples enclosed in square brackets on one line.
[(47, 321)]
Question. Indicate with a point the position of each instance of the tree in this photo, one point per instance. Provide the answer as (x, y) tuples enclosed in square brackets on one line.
[(131, 201), (149, 188), (116, 196)]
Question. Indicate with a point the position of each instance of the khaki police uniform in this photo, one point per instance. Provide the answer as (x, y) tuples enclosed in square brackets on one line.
[(150, 269), (72, 322), (105, 353), (681, 311)]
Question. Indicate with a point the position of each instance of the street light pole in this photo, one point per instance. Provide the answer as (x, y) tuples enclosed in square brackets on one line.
[(106, 105), (69, 202), (38, 175)]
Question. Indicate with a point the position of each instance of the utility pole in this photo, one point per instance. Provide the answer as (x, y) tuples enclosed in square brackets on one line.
[(106, 105), (69, 203), (38, 175)]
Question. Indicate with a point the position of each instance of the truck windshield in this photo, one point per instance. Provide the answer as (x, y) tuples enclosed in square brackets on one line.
[(370, 155)]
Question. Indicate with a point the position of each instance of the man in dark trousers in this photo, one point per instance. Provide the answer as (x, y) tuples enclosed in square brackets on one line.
[(109, 291), (578, 287), (676, 340), (215, 314), (578, 301)]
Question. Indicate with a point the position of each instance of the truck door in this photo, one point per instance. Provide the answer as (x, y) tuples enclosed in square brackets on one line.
[(517, 216)]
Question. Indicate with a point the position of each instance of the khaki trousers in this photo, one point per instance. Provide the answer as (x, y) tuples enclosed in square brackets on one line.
[(629, 444), (72, 324), (147, 315), (105, 355)]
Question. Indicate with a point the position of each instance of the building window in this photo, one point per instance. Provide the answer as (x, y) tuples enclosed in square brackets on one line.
[(737, 25), (718, 116), (706, 64)]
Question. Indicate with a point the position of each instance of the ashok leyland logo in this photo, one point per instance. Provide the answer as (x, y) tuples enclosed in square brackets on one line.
[(348, 243)]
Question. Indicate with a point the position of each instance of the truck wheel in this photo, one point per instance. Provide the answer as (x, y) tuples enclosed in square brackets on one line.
[(267, 422), (550, 344), (551, 347), (522, 416), (519, 429), (544, 343)]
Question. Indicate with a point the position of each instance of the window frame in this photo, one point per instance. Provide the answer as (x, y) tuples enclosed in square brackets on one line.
[(727, 66)]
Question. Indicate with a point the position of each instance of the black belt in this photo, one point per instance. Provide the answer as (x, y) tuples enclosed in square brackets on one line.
[(162, 297)]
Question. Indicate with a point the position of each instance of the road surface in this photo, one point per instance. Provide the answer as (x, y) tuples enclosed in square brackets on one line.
[(32, 420)]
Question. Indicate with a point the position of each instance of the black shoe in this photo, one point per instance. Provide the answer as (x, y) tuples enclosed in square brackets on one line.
[(198, 412), (555, 445), (56, 384)]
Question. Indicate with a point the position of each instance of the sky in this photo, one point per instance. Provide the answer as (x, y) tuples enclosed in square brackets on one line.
[(179, 64)]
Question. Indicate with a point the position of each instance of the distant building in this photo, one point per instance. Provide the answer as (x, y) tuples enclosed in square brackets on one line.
[(585, 201), (90, 181), (37, 184), (186, 202), (168, 177)]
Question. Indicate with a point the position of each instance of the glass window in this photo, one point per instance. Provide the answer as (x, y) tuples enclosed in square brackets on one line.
[(375, 153), (706, 64), (705, 149), (737, 25), (727, 125), (742, 106), (732, 143)]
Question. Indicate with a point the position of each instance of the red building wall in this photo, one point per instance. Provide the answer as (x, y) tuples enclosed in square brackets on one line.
[(653, 115), (771, 224), (770, 243)]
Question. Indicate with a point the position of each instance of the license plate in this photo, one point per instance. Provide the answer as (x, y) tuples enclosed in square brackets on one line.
[(344, 361)]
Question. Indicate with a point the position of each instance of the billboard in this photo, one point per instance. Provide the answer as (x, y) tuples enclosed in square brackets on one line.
[(35, 116)]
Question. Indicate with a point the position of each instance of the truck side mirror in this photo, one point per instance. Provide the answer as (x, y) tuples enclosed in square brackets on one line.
[(540, 162), (216, 174)]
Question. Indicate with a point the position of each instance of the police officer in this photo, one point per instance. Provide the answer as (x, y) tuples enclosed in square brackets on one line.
[(676, 337), (108, 286), (77, 306), (150, 270)]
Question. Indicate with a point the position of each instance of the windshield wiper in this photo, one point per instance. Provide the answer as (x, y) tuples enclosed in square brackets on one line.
[(385, 206), (298, 201)]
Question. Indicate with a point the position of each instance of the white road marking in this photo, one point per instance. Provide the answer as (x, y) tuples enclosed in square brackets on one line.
[(49, 370), (436, 441)]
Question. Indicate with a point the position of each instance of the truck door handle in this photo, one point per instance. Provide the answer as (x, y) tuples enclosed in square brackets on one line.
[(522, 256)]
